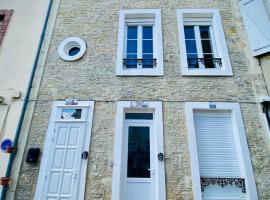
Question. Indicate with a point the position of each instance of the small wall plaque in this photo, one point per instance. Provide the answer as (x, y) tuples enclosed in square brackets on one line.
[(5, 143), (71, 102), (212, 105)]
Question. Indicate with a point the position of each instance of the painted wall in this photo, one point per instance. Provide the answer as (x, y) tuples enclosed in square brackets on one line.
[(17, 53), (93, 78)]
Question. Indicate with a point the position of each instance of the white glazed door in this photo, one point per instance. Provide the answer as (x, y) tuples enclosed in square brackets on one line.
[(64, 163), (140, 161)]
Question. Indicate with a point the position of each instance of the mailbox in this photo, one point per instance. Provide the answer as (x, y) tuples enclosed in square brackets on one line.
[(32, 155)]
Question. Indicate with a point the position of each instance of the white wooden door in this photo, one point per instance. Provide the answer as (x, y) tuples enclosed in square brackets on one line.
[(140, 160), (62, 173), (64, 164)]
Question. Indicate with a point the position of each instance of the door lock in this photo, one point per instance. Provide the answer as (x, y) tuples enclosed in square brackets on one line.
[(85, 155), (160, 156)]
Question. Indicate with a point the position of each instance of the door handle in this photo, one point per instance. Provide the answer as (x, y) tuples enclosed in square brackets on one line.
[(85, 155), (74, 175)]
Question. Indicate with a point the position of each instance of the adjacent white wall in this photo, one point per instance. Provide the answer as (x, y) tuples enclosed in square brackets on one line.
[(17, 53)]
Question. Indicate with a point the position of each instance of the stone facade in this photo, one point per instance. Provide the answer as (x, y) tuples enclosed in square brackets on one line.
[(93, 78)]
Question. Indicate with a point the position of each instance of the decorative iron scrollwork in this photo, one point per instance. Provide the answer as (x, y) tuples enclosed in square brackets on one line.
[(136, 61), (239, 182), (194, 62)]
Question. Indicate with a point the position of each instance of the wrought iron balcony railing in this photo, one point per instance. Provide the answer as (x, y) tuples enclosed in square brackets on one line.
[(134, 62), (239, 182), (207, 62)]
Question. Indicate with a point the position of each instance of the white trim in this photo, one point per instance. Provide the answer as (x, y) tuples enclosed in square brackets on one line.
[(46, 149), (219, 36), (122, 107), (124, 16), (67, 44), (240, 137)]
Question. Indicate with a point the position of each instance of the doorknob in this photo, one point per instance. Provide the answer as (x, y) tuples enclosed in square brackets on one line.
[(85, 155), (160, 156)]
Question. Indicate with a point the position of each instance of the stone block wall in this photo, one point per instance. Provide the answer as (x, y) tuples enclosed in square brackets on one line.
[(93, 78)]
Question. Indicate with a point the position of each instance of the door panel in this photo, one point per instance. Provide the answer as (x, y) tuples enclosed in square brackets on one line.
[(138, 190), (140, 161), (63, 170)]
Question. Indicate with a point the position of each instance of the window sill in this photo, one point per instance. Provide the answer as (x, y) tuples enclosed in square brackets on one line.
[(206, 72), (140, 72)]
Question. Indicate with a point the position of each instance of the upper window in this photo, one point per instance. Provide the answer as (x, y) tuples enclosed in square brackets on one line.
[(140, 43), (1, 19), (5, 16), (202, 43)]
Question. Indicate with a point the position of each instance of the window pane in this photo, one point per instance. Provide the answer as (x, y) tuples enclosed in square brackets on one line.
[(132, 46), (148, 61), (189, 32), (71, 114), (208, 61), (147, 32), (192, 61), (132, 32), (147, 46), (132, 55), (138, 152), (206, 45), (132, 61), (73, 51), (139, 116), (191, 46), (204, 30)]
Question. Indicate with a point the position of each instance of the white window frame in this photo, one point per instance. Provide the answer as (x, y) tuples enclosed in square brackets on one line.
[(132, 106), (245, 164), (203, 16), (139, 14), (86, 117)]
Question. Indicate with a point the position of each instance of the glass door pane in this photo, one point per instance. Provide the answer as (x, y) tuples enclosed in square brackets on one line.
[(138, 152)]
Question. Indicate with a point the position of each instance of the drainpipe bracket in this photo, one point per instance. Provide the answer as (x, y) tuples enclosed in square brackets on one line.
[(4, 181), (11, 149)]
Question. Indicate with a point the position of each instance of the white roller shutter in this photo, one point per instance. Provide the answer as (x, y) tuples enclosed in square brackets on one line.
[(215, 144), (257, 23)]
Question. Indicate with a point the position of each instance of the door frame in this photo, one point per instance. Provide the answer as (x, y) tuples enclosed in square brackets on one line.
[(48, 139), (139, 106), (153, 158), (240, 139)]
